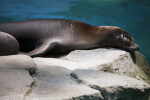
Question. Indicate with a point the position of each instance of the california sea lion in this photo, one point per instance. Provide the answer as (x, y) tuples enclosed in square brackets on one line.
[(62, 36)]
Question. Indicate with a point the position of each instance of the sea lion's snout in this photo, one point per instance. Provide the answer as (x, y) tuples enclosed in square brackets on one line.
[(123, 39), (134, 47)]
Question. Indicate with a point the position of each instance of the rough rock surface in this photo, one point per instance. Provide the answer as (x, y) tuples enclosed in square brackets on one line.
[(17, 62), (14, 83), (114, 61), (81, 75)]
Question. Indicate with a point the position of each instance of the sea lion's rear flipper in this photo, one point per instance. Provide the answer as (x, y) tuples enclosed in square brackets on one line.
[(43, 49)]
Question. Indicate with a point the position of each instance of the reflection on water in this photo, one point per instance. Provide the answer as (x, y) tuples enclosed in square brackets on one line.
[(131, 15)]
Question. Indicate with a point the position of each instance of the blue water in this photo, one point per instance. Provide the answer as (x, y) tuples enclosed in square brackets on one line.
[(131, 15)]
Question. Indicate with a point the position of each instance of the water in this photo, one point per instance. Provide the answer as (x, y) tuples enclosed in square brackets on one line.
[(131, 15)]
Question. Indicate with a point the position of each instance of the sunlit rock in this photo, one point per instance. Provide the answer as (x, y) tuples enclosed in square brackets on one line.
[(114, 61), (81, 75)]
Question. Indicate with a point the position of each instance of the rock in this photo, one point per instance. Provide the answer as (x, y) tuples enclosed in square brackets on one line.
[(59, 83), (108, 60), (55, 83), (114, 87), (18, 62), (15, 76), (114, 61), (14, 83), (81, 75), (66, 81)]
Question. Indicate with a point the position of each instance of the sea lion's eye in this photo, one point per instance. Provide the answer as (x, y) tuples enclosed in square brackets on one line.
[(121, 36), (116, 36)]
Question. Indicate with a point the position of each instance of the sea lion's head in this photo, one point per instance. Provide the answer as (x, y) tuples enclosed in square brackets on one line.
[(116, 37)]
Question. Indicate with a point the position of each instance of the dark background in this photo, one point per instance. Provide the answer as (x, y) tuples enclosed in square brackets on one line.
[(131, 15)]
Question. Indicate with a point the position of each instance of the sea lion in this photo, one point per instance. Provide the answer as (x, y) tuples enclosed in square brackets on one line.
[(8, 44), (38, 37)]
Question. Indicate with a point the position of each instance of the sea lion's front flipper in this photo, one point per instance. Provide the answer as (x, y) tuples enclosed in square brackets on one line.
[(43, 49)]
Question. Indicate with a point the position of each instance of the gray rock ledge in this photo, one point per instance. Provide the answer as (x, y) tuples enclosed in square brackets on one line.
[(98, 74)]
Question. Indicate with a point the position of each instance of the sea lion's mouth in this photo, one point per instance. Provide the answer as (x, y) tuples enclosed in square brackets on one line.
[(134, 47)]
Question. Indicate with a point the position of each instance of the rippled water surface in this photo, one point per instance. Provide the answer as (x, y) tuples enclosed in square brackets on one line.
[(131, 15)]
